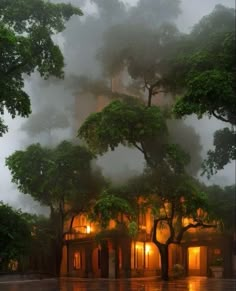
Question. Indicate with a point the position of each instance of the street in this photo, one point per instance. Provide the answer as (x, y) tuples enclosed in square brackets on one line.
[(152, 284)]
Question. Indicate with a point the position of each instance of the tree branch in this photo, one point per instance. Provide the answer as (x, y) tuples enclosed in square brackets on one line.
[(220, 117), (159, 91), (146, 85), (70, 227), (139, 148), (191, 225), (154, 237)]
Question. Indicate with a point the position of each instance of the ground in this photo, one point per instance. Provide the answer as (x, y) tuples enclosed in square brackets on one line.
[(148, 284)]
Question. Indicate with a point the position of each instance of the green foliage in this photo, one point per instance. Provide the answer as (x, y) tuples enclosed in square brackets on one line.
[(26, 45), (222, 204), (178, 271), (15, 235), (50, 175), (177, 158), (23, 15), (109, 206), (207, 74), (223, 153), (160, 186), (122, 123), (133, 229), (217, 261), (202, 89), (209, 68), (61, 178), (41, 257)]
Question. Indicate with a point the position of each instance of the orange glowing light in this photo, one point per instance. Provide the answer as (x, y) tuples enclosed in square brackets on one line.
[(88, 229), (147, 249)]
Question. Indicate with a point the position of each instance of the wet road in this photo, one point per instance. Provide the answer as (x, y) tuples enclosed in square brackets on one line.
[(189, 284)]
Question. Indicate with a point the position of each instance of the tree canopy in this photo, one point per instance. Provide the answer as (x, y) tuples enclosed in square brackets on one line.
[(165, 186), (207, 71), (222, 205), (209, 67), (174, 63), (51, 175), (15, 233), (134, 124), (26, 45), (61, 178), (199, 67)]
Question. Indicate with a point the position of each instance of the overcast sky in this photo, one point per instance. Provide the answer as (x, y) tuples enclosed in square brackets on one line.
[(16, 139)]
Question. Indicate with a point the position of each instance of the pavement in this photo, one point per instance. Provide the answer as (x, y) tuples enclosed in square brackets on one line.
[(140, 284)]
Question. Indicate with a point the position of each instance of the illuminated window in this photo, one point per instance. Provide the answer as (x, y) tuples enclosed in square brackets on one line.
[(77, 261), (147, 255), (137, 255), (144, 255)]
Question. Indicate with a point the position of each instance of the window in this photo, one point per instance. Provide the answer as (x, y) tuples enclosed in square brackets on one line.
[(77, 261)]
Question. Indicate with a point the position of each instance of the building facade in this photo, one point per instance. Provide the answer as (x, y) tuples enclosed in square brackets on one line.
[(92, 253)]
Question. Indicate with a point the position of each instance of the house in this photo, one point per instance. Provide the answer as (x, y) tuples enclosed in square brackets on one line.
[(113, 254)]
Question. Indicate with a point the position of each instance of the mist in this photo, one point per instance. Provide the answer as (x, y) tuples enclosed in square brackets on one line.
[(60, 106)]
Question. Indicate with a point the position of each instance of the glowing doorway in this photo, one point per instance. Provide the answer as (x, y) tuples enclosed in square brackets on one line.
[(194, 258), (197, 261)]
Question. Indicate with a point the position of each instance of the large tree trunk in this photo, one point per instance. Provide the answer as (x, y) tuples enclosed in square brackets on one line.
[(57, 240), (163, 249), (58, 258)]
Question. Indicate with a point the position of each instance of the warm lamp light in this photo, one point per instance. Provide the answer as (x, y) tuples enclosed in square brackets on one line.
[(196, 250), (147, 249), (88, 228)]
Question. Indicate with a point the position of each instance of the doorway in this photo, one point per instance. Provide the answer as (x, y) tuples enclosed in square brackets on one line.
[(197, 261)]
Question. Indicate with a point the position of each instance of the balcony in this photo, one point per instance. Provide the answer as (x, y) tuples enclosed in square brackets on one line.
[(79, 232), (75, 236)]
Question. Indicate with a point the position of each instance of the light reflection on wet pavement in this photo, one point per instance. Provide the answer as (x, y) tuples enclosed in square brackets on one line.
[(189, 284)]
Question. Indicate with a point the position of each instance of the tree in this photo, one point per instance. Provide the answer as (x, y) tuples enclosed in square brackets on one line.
[(145, 57), (222, 205), (163, 70), (108, 206), (40, 257), (26, 45), (125, 122), (207, 73), (223, 153), (198, 66), (177, 204), (61, 178), (15, 233), (146, 53), (144, 127)]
